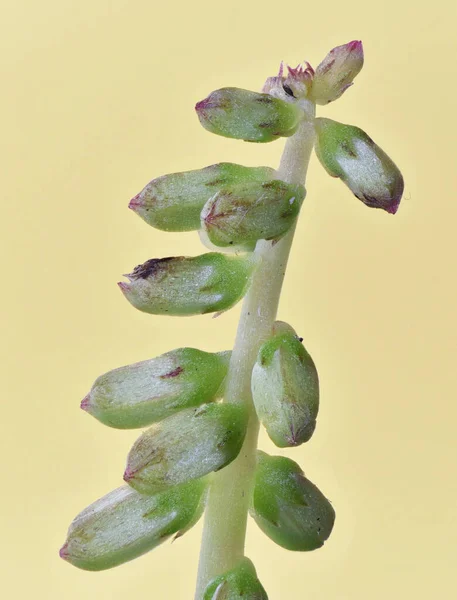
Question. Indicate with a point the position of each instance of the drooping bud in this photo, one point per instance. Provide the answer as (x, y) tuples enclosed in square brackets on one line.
[(181, 286), (249, 116), (174, 202), (287, 507), (149, 391), (240, 583), (285, 388), (186, 446), (125, 524), (349, 153), (336, 72), (245, 213)]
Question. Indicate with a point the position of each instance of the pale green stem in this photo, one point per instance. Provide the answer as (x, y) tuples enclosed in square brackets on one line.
[(228, 501)]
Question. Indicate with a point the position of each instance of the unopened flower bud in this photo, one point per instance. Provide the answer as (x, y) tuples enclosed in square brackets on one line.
[(285, 388), (287, 507), (125, 524), (149, 391), (183, 286), (249, 116), (174, 202), (349, 153), (248, 212), (240, 583), (336, 72), (186, 446)]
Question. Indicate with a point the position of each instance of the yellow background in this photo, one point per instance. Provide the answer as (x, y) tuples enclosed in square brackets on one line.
[(97, 99)]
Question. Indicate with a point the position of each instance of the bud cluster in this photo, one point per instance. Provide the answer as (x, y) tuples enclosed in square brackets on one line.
[(179, 395)]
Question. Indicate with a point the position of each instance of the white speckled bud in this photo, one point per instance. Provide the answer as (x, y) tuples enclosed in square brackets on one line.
[(349, 153), (125, 524), (149, 391), (336, 72), (285, 388), (186, 446), (181, 286)]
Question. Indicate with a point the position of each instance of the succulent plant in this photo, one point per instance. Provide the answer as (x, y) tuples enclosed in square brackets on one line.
[(204, 409)]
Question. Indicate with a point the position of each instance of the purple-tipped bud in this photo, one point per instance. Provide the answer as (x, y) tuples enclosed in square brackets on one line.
[(152, 390), (124, 525), (183, 286), (186, 446), (249, 116), (337, 71), (349, 153)]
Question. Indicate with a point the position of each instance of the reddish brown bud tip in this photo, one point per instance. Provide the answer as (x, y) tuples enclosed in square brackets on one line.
[(63, 552), (135, 202), (85, 402)]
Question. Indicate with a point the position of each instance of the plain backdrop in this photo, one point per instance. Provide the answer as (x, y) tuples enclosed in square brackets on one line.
[(96, 99)]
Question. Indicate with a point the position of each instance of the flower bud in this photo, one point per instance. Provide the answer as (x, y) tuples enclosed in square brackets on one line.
[(251, 211), (336, 72), (174, 202), (240, 583), (249, 116), (349, 153), (186, 446), (149, 391), (285, 388), (125, 524), (182, 286), (287, 507)]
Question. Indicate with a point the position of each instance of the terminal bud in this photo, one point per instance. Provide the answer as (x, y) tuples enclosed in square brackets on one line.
[(349, 153), (240, 583), (125, 524), (287, 507), (249, 116), (247, 212), (174, 202), (285, 388), (336, 72), (149, 391), (181, 286), (186, 446)]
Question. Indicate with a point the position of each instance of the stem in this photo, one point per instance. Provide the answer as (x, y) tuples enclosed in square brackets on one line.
[(227, 508)]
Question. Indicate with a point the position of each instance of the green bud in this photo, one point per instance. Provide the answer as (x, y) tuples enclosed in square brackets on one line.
[(349, 153), (149, 391), (240, 583), (182, 286), (174, 202), (186, 446), (124, 525), (287, 507), (285, 388), (249, 116), (336, 72), (248, 212)]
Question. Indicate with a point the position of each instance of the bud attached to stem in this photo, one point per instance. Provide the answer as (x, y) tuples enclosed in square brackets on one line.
[(149, 391), (174, 202), (181, 286), (285, 388), (125, 524), (240, 583), (249, 116), (249, 212), (186, 446), (349, 153), (336, 72), (287, 507)]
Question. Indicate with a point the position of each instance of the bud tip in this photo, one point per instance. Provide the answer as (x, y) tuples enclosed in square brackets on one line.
[(63, 552), (135, 202), (85, 402), (123, 286), (128, 474)]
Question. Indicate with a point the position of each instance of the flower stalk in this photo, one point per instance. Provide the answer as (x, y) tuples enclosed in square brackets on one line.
[(230, 492)]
